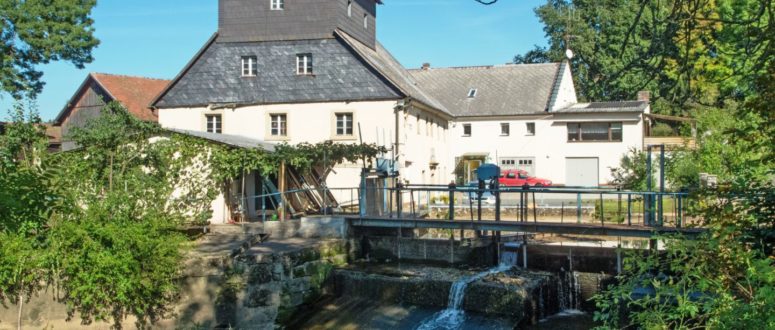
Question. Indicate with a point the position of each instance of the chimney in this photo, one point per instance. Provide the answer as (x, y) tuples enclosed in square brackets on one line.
[(644, 96), (426, 66)]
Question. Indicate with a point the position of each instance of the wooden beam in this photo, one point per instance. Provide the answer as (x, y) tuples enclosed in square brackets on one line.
[(281, 183)]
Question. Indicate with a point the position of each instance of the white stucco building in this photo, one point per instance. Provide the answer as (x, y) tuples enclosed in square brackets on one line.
[(325, 77)]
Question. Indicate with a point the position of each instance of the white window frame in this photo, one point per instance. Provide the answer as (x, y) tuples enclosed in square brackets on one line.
[(472, 93), (365, 21), (277, 4), (527, 129), (214, 123), (249, 66), (470, 130), (345, 128), (350, 8), (507, 130), (282, 124), (304, 64)]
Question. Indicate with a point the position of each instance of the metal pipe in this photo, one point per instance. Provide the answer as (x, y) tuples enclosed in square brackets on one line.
[(578, 207)]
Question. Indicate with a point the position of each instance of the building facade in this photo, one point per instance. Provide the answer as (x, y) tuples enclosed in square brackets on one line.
[(312, 71)]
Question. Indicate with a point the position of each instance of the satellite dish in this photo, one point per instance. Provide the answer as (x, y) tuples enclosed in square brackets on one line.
[(569, 54)]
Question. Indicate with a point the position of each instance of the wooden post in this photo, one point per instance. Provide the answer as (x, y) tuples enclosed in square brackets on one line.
[(281, 183)]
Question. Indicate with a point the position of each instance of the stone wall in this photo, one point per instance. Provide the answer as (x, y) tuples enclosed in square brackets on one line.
[(255, 291), (262, 290), (511, 296)]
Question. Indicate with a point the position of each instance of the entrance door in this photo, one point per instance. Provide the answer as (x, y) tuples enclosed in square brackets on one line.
[(581, 172)]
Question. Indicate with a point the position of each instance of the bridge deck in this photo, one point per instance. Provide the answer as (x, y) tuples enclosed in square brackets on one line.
[(525, 227)]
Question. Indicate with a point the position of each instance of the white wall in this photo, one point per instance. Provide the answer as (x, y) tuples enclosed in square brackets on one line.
[(315, 122), (549, 146)]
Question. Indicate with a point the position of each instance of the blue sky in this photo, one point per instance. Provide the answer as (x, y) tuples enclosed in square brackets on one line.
[(156, 38)]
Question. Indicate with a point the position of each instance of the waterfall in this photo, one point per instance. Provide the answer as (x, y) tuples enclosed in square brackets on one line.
[(508, 258), (453, 316), (568, 291)]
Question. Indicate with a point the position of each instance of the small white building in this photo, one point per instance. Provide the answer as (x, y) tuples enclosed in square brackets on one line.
[(277, 74), (527, 117)]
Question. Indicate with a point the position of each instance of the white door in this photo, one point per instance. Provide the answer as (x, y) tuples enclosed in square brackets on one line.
[(582, 172)]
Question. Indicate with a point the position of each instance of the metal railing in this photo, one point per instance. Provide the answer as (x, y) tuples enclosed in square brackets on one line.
[(506, 203)]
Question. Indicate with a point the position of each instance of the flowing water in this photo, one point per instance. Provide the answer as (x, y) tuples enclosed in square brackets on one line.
[(453, 317)]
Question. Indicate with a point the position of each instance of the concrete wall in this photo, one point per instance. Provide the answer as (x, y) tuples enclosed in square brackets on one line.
[(434, 251), (549, 147)]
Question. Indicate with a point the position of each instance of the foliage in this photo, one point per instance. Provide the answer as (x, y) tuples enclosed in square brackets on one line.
[(721, 153), (687, 53), (229, 163), (536, 55), (632, 173), (117, 258), (26, 202), (662, 129), (38, 32), (725, 279)]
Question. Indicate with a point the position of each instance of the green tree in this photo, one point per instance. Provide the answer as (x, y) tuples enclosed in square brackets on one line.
[(26, 201), (38, 32), (687, 53), (119, 251)]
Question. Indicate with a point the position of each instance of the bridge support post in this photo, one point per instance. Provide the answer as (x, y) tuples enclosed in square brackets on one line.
[(578, 208), (497, 235), (399, 201), (619, 259)]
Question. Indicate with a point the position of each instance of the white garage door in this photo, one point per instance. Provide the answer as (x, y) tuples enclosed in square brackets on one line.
[(526, 164), (581, 172)]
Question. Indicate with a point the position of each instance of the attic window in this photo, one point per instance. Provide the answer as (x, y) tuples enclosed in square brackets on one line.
[(249, 67), (365, 21), (277, 4), (350, 8), (304, 64), (472, 93)]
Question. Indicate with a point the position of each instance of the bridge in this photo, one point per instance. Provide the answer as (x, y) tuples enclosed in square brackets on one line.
[(522, 227)]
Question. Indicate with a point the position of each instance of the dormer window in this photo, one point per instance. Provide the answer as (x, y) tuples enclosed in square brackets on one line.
[(249, 66), (365, 21), (277, 4), (304, 64), (472, 93), (350, 8)]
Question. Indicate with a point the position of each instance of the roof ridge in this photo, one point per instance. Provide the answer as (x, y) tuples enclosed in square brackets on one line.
[(127, 76), (509, 65)]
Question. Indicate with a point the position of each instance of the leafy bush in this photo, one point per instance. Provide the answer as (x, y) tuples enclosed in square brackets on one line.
[(662, 129)]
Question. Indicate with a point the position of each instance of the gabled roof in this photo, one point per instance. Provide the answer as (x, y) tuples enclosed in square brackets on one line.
[(387, 65), (134, 93), (605, 107), (214, 77), (501, 90)]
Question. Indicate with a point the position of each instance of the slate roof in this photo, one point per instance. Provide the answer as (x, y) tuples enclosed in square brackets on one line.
[(229, 140), (605, 107), (501, 90), (386, 64), (214, 76), (134, 93)]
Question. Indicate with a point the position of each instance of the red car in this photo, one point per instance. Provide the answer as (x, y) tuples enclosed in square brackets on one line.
[(519, 178)]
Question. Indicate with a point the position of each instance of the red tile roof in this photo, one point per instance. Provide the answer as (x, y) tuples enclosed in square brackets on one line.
[(135, 93)]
